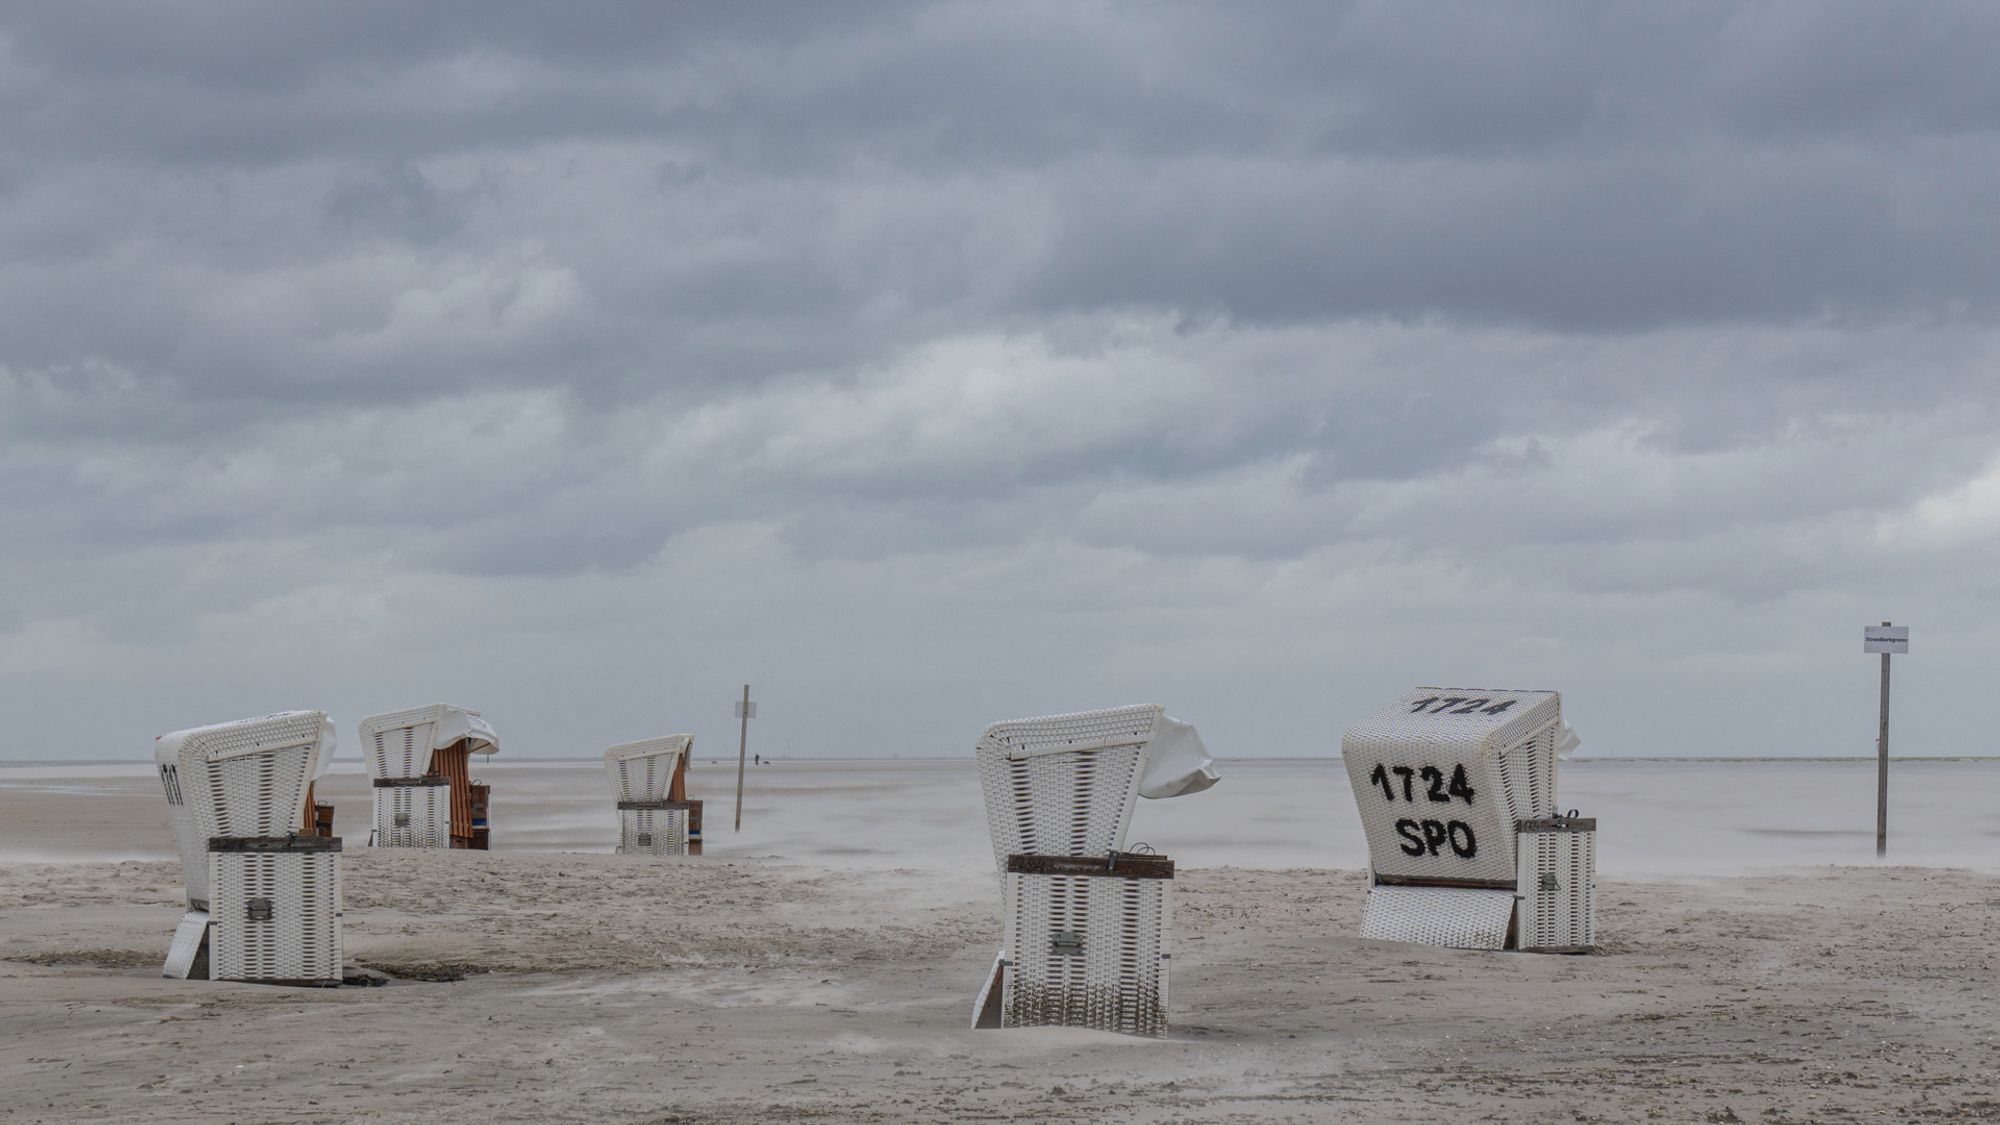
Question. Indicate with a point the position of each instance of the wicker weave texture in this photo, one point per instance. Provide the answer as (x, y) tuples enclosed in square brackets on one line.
[(1558, 894), (652, 831), (1087, 951), (413, 816), (398, 745), (191, 845), (1412, 764), (1064, 784), (276, 916), (1454, 917), (249, 778), (642, 771)]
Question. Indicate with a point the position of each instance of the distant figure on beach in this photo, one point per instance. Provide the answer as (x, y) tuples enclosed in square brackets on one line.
[(756, 759)]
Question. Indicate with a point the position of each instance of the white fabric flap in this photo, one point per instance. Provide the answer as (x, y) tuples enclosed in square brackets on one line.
[(454, 723), (326, 747), (1176, 762)]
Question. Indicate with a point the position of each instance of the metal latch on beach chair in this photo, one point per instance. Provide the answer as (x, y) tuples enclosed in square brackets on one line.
[(1066, 943), (1111, 858)]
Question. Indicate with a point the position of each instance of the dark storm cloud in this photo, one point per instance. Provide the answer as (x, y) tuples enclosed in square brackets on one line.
[(1232, 163), (1616, 241)]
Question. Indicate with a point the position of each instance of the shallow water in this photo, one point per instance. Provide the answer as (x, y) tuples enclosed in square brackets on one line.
[(1655, 818)]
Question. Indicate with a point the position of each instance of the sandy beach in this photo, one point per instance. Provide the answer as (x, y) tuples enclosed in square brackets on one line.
[(767, 982)]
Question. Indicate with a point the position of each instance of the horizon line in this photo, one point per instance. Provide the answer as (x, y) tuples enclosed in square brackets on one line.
[(1703, 758)]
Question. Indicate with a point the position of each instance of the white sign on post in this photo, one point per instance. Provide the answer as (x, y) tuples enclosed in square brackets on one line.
[(1885, 638)]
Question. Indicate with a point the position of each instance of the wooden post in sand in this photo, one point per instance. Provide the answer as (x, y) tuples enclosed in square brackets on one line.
[(1886, 640), (745, 711)]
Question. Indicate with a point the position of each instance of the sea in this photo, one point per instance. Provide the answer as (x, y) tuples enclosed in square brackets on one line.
[(1657, 818)]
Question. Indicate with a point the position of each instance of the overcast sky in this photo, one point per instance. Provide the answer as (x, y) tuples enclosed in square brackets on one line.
[(925, 365)]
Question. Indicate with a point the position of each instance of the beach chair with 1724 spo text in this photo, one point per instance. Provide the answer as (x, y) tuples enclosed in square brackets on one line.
[(1457, 792)]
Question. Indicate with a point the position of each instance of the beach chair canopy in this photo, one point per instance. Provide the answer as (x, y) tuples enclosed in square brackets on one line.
[(1065, 785), (399, 744), (248, 777), (643, 770)]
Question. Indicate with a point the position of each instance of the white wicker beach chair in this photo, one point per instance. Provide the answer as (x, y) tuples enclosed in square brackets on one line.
[(263, 902), (1457, 793), (416, 802), (1085, 924), (193, 849), (652, 820)]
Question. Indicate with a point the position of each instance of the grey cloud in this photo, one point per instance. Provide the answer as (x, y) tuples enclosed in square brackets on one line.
[(1000, 354), (862, 244), (1215, 443), (396, 201), (1617, 241)]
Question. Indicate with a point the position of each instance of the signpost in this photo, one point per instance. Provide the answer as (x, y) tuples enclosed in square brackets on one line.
[(747, 711), (1886, 639)]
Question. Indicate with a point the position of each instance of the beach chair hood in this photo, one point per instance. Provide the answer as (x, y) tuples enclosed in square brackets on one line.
[(644, 770), (326, 747), (1177, 763), (455, 723), (400, 744), (236, 797), (167, 747)]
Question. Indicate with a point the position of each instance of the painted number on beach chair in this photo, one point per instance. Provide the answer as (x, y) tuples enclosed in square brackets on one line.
[(1435, 790), (1459, 705)]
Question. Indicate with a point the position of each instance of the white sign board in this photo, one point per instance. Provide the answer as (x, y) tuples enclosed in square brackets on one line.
[(1885, 638)]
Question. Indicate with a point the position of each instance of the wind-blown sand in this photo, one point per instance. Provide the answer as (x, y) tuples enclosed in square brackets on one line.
[(757, 987)]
